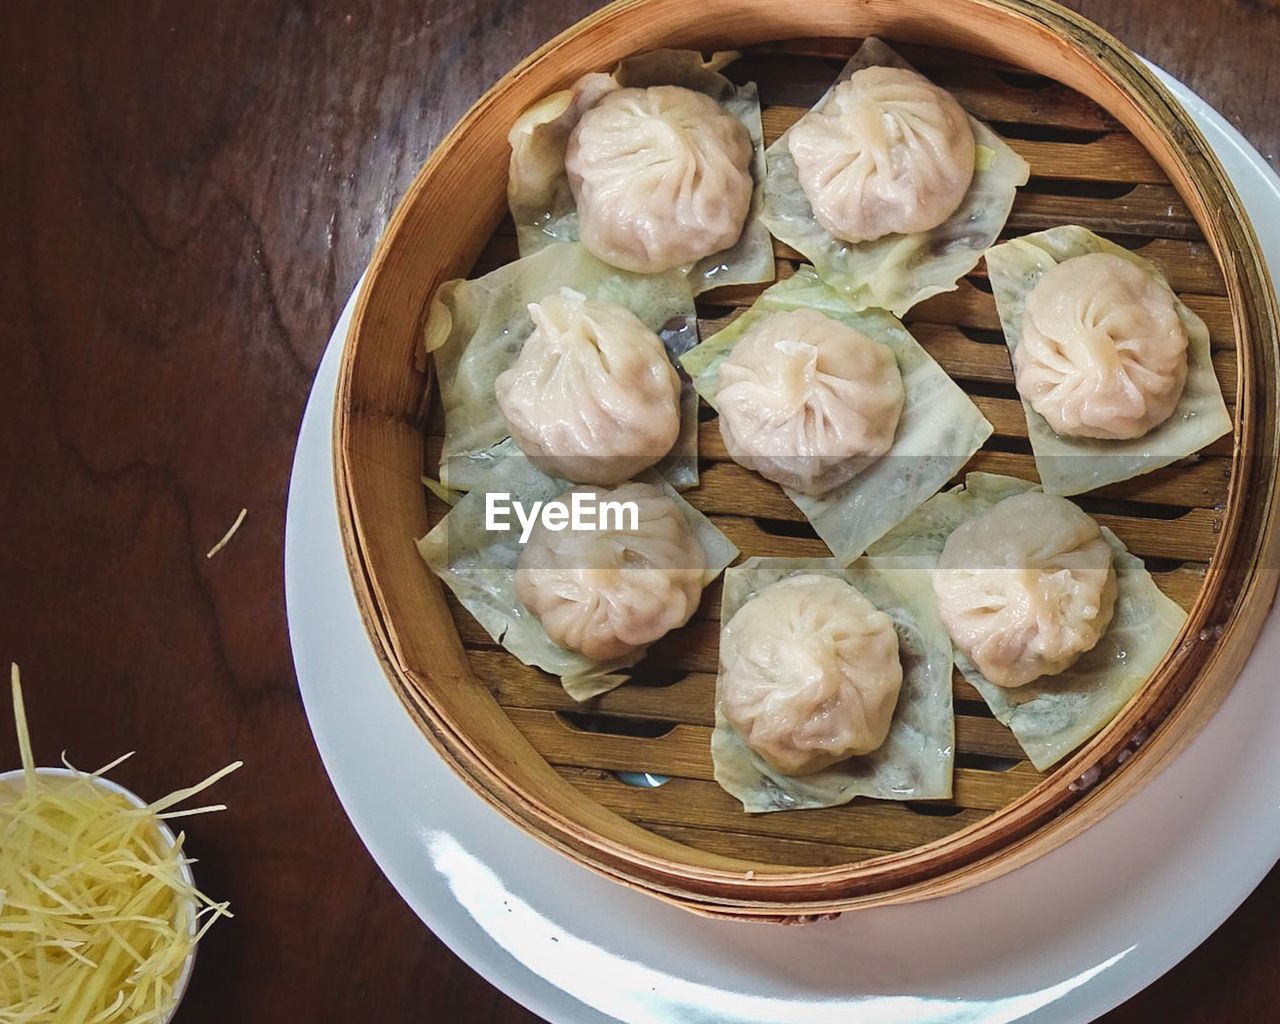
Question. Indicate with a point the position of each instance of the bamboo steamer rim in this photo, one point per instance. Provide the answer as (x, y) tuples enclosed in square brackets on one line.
[(1232, 602)]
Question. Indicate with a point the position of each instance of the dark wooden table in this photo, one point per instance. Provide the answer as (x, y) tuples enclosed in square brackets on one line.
[(190, 191)]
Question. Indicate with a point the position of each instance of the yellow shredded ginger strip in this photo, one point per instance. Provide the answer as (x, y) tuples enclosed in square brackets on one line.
[(226, 537), (96, 919)]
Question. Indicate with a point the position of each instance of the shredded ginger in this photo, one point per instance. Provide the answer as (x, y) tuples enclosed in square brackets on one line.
[(96, 916), (226, 537)]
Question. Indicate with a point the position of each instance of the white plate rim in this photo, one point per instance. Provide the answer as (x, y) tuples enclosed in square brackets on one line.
[(430, 835)]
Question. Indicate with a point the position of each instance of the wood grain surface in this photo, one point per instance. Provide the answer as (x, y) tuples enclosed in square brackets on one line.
[(191, 191)]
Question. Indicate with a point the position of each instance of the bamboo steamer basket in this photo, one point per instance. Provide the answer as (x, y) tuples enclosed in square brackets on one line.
[(1110, 149)]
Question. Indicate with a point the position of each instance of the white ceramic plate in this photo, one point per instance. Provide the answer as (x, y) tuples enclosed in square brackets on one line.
[(1058, 942)]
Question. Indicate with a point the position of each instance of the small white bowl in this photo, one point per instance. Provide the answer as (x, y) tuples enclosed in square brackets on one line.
[(166, 833)]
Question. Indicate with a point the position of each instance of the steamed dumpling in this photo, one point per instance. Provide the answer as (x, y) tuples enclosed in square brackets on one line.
[(808, 401), (1026, 588), (661, 178), (592, 397), (608, 593), (1103, 352), (810, 673), (888, 153)]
